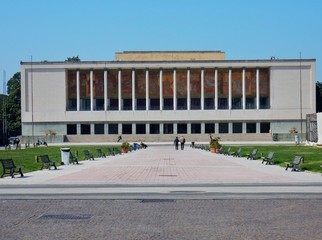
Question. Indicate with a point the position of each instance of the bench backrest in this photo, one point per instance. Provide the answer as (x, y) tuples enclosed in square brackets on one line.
[(7, 163), (44, 158), (254, 152), (298, 160), (86, 152), (270, 155)]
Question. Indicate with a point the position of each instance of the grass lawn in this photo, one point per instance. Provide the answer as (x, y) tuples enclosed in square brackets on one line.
[(27, 157), (312, 155)]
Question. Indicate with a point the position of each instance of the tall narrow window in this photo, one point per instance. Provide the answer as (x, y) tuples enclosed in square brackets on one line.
[(264, 89), (112, 90), (71, 91), (237, 88), (154, 89), (126, 89), (195, 89), (209, 89), (98, 89), (140, 89), (250, 82), (181, 89), (167, 83), (85, 92), (223, 91)]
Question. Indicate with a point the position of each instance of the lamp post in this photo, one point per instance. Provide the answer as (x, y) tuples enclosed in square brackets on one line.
[(301, 96), (32, 103)]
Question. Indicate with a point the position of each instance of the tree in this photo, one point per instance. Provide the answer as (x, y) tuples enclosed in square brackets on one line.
[(318, 96), (13, 106), (73, 59)]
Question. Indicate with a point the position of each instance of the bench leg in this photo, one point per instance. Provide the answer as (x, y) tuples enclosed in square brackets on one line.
[(287, 167), (12, 173), (20, 171), (54, 165)]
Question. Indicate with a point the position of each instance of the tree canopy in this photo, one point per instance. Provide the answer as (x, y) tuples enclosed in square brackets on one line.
[(73, 59), (13, 106)]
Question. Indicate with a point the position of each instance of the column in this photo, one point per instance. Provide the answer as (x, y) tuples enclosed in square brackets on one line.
[(188, 89), (147, 89), (119, 89), (216, 89), (175, 128), (189, 128), (202, 89), (257, 88), (161, 90), (161, 128), (174, 89), (229, 90), (91, 89), (78, 126), (230, 127), (77, 90), (244, 90), (133, 90), (258, 127), (105, 90), (244, 127), (133, 128), (216, 128), (203, 128)]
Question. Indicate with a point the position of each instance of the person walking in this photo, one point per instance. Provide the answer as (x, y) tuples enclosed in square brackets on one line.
[(182, 142), (176, 143)]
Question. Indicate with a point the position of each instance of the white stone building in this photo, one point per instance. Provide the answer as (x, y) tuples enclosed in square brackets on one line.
[(154, 96)]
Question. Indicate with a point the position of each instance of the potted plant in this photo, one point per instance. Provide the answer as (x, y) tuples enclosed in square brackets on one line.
[(214, 144), (125, 146)]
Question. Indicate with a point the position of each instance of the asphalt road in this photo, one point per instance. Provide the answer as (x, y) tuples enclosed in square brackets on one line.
[(161, 219)]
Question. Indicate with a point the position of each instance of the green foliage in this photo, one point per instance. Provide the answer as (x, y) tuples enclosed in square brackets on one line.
[(319, 97), (214, 143), (13, 105), (73, 59), (125, 145)]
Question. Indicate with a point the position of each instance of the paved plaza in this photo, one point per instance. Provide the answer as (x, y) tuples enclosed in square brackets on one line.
[(163, 172)]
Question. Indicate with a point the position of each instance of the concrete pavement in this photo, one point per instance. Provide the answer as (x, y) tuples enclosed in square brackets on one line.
[(163, 172)]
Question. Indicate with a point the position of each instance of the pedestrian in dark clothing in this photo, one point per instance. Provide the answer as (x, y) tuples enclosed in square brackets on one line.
[(182, 142), (176, 143)]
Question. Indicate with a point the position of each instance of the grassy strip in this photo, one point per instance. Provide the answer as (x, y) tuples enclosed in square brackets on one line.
[(27, 157), (312, 155)]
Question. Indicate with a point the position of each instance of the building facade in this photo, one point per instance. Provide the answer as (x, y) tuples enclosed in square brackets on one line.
[(154, 96)]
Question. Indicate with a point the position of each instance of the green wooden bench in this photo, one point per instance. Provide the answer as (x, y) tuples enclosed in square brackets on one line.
[(252, 155), (100, 153), (236, 153), (295, 164), (46, 162), (226, 152), (269, 158), (73, 158), (10, 168), (88, 155)]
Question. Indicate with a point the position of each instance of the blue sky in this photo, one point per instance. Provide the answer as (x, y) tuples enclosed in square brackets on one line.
[(53, 30)]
